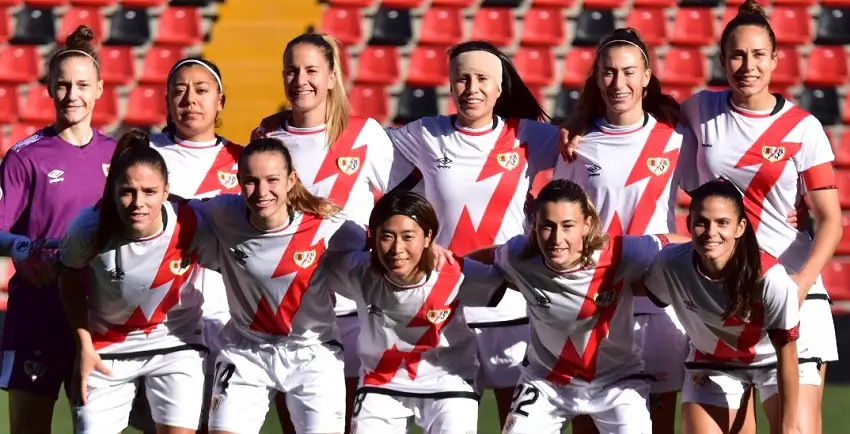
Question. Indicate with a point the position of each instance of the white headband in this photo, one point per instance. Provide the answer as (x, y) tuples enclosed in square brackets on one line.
[(197, 62), (62, 53), (623, 41), (478, 62)]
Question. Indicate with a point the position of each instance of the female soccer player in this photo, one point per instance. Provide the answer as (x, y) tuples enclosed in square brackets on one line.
[(740, 309), (577, 282), (128, 289), (627, 165), (477, 168), (45, 181), (418, 355)]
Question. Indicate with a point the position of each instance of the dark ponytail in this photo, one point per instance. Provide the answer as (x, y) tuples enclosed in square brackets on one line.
[(742, 273), (750, 13), (133, 149)]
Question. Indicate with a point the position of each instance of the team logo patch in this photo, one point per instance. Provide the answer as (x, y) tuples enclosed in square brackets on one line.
[(105, 168), (34, 369), (604, 298), (438, 316), (773, 153), (228, 179), (348, 165), (178, 268), (304, 259), (658, 166), (508, 160)]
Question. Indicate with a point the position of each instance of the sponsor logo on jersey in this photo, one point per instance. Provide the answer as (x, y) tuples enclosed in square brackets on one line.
[(438, 316), (658, 166), (56, 176), (444, 162), (228, 179), (105, 168), (348, 165), (240, 256), (604, 298), (508, 160), (304, 259), (773, 153), (593, 170), (179, 267), (690, 305)]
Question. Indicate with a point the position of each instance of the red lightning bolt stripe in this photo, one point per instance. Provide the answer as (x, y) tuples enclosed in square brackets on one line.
[(657, 141), (438, 299), (570, 364), (341, 149), (178, 250), (770, 171), (466, 237), (225, 160), (279, 321)]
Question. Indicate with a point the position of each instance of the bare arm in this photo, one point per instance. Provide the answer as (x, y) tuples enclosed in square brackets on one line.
[(788, 383), (827, 212)]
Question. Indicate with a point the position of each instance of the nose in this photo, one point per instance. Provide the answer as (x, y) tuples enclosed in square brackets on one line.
[(619, 81), (396, 246), (137, 200)]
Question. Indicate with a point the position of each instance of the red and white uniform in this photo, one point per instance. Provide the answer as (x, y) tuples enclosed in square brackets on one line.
[(581, 359), (629, 173), (774, 158), (145, 320), (731, 351), (282, 335), (478, 181)]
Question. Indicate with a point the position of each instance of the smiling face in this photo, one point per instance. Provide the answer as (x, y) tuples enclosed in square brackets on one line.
[(194, 102), (560, 228), (749, 59), (475, 96), (715, 228), (140, 193), (401, 242), (266, 180), (74, 87), (622, 75), (307, 77)]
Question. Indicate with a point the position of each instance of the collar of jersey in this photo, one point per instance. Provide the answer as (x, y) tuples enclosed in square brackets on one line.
[(303, 131), (780, 103), (575, 269), (164, 216), (608, 129), (699, 270), (271, 231), (410, 286), (474, 131), (195, 145)]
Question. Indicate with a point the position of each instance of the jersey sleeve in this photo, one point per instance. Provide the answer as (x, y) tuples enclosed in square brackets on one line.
[(507, 256), (388, 166), (814, 161), (781, 306), (408, 141), (205, 243), (687, 171), (79, 243), (346, 260), (483, 285), (655, 284), (638, 254), (543, 142), (210, 209), (16, 176)]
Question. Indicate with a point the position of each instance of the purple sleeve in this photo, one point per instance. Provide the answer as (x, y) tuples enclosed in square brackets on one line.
[(15, 189)]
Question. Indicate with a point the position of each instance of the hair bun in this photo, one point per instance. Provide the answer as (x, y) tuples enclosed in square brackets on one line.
[(751, 7), (81, 39)]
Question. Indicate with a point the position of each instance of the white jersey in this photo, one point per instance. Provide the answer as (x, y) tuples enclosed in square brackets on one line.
[(673, 279), (199, 170), (143, 297), (765, 155), (581, 320), (630, 176), (478, 182), (359, 163), (413, 339), (273, 289)]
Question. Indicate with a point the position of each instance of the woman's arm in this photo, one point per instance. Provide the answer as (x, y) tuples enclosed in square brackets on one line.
[(827, 212), (788, 383)]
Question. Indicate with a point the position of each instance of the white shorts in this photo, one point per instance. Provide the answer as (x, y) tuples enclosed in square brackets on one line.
[(380, 413), (349, 333), (249, 374), (542, 407), (817, 331), (664, 348), (174, 386), (726, 388), (501, 351)]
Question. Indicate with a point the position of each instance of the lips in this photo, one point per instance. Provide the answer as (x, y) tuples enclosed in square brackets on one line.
[(619, 96)]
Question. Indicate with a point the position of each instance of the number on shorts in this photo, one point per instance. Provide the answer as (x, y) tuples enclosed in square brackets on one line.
[(223, 375), (524, 395), (358, 404)]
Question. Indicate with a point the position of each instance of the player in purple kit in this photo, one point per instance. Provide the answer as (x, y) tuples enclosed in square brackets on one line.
[(46, 180)]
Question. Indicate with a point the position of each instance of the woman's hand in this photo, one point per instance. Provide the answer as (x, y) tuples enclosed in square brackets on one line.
[(89, 361), (35, 260), (441, 256)]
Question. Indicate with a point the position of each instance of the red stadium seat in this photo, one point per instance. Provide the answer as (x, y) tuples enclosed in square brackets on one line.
[(158, 63), (441, 26), (563, 4), (370, 100), (577, 66), (95, 3), (8, 104), (842, 148), (799, 2), (407, 4), (345, 59), (343, 23), (682, 224), (603, 4), (835, 279), (143, 3), (845, 117), (650, 23), (117, 65), (683, 67), (792, 25), (679, 93), (494, 25), (736, 3), (536, 65), (693, 27), (146, 106), (77, 16), (354, 3), (682, 199), (787, 72), (21, 131), (654, 4), (378, 65), (180, 26), (827, 66), (844, 244), (46, 3), (543, 26), (38, 107), (12, 3), (106, 109), (728, 14), (428, 67), (842, 179), (454, 3), (19, 64), (5, 25), (5, 144)]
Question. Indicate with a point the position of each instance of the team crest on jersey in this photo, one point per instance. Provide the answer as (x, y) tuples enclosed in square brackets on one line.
[(105, 168), (228, 179), (438, 316), (773, 153), (604, 298), (305, 259), (348, 165), (179, 267), (658, 166), (508, 160)]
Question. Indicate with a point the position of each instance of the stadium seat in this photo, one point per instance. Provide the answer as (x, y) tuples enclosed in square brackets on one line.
[(10, 3), (191, 3), (391, 27), (728, 14), (5, 25), (38, 106), (835, 279), (454, 3), (416, 102), (8, 103), (846, 113), (792, 25), (343, 23), (34, 26), (146, 106), (827, 66), (842, 149), (535, 65), (683, 67), (699, 3), (833, 26), (180, 26), (832, 3), (562, 4), (650, 22), (494, 25), (679, 93), (77, 16), (787, 72), (19, 64), (143, 3), (370, 100), (94, 3), (428, 67), (378, 65), (822, 103), (353, 3), (46, 3), (794, 2), (106, 109), (345, 59), (682, 199), (682, 224), (565, 103), (117, 65), (158, 63), (716, 74), (543, 26), (502, 3), (406, 4), (693, 27), (21, 131), (129, 27), (441, 26), (577, 66), (604, 4), (592, 25)]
